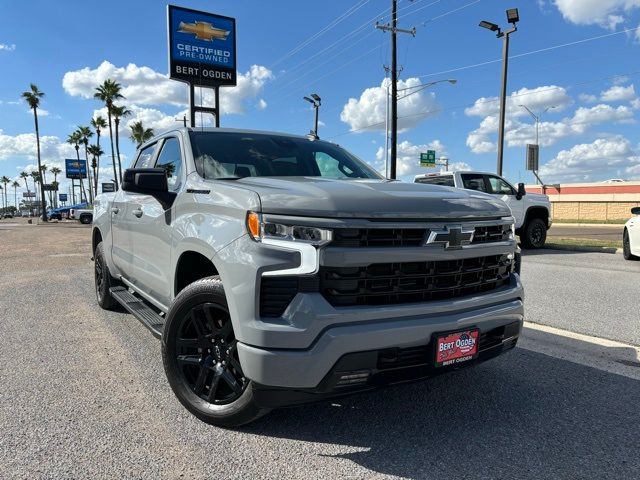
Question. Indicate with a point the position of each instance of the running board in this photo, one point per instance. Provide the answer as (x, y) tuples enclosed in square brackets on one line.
[(139, 309)]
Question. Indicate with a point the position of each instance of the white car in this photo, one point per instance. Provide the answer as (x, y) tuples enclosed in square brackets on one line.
[(631, 236)]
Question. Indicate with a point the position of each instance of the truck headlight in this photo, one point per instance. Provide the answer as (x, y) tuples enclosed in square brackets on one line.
[(260, 230)]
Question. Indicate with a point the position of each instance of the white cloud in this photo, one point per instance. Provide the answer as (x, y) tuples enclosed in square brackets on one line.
[(368, 112), (7, 47), (408, 158), (587, 98), (590, 161), (605, 13), (24, 145), (536, 99), (150, 118), (636, 103), (262, 104), (144, 86), (519, 133), (618, 93)]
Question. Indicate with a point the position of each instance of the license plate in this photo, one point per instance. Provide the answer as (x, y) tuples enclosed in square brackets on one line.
[(457, 347)]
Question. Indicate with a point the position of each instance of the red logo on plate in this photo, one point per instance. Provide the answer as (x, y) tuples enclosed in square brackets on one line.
[(456, 347)]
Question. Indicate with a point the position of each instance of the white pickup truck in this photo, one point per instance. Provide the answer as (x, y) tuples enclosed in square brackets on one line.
[(83, 215), (532, 211)]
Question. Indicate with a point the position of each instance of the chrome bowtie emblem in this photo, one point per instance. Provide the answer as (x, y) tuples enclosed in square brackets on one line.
[(452, 236)]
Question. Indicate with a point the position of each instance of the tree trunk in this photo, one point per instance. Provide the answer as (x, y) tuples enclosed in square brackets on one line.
[(86, 156), (96, 171), (42, 200), (82, 190), (117, 122), (113, 153)]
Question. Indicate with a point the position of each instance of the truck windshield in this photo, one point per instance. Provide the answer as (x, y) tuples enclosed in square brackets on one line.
[(229, 155)]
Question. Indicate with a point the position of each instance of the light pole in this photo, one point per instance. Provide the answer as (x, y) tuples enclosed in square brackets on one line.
[(415, 89), (513, 18), (536, 118), (315, 100)]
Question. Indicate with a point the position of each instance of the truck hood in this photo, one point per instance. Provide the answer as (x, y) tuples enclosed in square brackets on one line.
[(323, 197)]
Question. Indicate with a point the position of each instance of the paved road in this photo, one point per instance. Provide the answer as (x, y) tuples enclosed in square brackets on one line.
[(83, 395), (592, 293), (597, 232)]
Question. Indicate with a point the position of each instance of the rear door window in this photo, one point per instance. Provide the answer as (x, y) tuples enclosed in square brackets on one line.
[(474, 181)]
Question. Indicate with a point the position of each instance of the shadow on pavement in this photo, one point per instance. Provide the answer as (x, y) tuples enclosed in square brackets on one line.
[(522, 415)]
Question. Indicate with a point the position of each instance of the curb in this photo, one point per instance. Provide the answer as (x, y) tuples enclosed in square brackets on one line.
[(603, 225), (578, 248)]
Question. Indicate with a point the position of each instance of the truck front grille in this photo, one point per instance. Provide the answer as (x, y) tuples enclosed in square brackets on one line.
[(408, 237), (392, 283)]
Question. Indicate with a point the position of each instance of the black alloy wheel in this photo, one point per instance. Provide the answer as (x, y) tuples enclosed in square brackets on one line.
[(535, 234), (626, 247), (206, 352), (103, 280)]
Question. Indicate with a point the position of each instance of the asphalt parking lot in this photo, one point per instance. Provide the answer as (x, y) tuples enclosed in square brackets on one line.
[(592, 232), (83, 393)]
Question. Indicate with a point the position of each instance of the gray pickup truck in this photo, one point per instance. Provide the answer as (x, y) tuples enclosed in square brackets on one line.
[(280, 270)]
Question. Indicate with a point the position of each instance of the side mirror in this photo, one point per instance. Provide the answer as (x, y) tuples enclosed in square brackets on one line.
[(521, 191), (149, 181), (635, 211)]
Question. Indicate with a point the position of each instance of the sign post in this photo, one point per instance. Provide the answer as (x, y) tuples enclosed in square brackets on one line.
[(202, 52)]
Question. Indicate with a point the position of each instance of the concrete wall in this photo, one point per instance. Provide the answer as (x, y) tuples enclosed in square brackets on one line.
[(592, 201)]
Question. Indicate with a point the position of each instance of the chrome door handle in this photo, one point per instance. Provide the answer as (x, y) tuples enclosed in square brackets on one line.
[(137, 212), (115, 210)]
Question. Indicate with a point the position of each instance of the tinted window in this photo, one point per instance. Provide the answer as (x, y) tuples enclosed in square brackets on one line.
[(472, 181), (500, 187), (145, 157), (232, 155), (171, 160), (445, 181)]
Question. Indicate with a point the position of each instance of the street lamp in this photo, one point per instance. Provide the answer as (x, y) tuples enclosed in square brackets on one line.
[(416, 89), (315, 100), (512, 17)]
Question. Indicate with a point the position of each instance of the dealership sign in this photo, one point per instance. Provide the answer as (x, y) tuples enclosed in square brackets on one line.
[(29, 194), (62, 197), (202, 47), (75, 169), (108, 187)]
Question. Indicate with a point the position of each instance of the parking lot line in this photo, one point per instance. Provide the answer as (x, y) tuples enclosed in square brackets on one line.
[(607, 355)]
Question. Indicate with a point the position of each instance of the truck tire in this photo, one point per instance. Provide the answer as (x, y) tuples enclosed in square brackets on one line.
[(534, 234), (626, 247), (86, 219), (103, 280), (200, 357)]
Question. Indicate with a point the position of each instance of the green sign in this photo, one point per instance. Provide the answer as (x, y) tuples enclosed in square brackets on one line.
[(428, 159)]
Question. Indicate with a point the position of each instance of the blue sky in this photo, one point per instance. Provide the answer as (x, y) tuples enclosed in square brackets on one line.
[(287, 49)]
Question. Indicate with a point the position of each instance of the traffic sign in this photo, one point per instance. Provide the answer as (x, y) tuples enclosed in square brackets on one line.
[(62, 197), (428, 158)]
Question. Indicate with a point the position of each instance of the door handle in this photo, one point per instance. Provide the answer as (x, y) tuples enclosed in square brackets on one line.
[(137, 212), (115, 210)]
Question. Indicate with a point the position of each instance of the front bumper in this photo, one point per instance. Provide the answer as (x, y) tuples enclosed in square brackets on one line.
[(306, 369)]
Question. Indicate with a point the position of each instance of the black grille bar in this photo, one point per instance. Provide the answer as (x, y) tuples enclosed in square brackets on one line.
[(408, 237), (392, 283)]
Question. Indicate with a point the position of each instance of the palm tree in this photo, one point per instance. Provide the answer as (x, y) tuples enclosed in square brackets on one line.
[(44, 169), (5, 180), (15, 186), (24, 176), (36, 179), (139, 134), (86, 133), (108, 92), (95, 151), (118, 113), (98, 124), (56, 171), (32, 97)]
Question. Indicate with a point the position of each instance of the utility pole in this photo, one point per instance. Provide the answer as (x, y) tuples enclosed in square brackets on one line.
[(393, 28)]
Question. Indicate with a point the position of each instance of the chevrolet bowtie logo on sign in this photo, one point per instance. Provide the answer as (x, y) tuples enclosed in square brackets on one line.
[(203, 31), (451, 236)]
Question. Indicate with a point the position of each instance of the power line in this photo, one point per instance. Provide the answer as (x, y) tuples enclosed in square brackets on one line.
[(532, 52), (450, 12), (321, 32)]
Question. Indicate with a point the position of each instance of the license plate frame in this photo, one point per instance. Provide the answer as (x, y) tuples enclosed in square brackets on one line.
[(455, 354)]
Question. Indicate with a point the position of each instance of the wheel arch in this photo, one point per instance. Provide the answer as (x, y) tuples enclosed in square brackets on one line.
[(96, 238), (191, 265), (540, 212)]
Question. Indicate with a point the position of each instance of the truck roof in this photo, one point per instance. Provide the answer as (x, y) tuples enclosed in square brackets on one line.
[(441, 174)]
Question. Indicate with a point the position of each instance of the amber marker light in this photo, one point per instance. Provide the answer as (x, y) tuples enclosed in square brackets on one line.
[(253, 225)]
